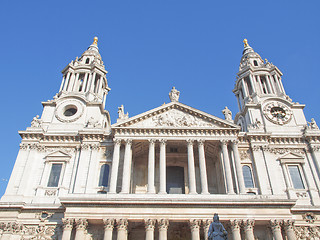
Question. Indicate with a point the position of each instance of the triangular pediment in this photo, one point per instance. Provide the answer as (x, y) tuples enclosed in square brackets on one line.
[(175, 115), (58, 156), (291, 155)]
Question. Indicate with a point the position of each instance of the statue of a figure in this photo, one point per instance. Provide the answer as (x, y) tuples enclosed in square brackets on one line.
[(313, 124), (174, 95), (121, 114), (216, 230), (36, 122), (227, 114)]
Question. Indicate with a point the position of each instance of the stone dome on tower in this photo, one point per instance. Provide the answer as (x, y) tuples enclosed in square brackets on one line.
[(249, 57), (91, 55)]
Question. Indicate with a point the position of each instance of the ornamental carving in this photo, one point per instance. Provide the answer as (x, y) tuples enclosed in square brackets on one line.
[(149, 224), (11, 227), (50, 192), (163, 224), (23, 146), (176, 118), (235, 225), (302, 194), (44, 215), (122, 224), (194, 224), (39, 232), (309, 217), (81, 223), (288, 224), (67, 223), (248, 224), (244, 154), (286, 150), (307, 232), (108, 223), (275, 224)]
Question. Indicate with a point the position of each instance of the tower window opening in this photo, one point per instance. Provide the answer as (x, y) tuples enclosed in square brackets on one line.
[(247, 81), (70, 111), (81, 79), (263, 84), (95, 86), (87, 60), (247, 175), (255, 63), (104, 175)]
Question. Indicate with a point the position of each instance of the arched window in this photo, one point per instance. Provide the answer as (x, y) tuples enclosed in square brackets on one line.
[(104, 175), (87, 60), (255, 63), (247, 175)]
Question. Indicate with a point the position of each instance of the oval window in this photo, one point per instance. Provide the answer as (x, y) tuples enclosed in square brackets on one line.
[(70, 111)]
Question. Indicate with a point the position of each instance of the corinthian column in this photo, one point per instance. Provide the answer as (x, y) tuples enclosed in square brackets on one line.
[(191, 170), (126, 175), (151, 163), (162, 166), (227, 167), (203, 169), (206, 225), (149, 225), (276, 229), (67, 228), (108, 225), (195, 225), (235, 229), (289, 229), (122, 225), (115, 166), (163, 228), (81, 226), (237, 160), (248, 229)]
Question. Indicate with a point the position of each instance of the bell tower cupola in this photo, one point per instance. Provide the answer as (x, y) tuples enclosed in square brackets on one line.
[(86, 76)]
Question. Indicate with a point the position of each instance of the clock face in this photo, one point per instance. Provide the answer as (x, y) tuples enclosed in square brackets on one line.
[(277, 113)]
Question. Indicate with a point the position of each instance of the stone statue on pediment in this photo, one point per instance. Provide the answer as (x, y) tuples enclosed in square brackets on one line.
[(227, 114), (313, 125), (174, 95), (121, 115), (216, 230), (36, 122)]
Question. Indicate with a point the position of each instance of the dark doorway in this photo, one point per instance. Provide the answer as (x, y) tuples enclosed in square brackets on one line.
[(175, 180)]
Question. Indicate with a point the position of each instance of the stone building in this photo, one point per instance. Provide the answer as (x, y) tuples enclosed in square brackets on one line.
[(163, 174)]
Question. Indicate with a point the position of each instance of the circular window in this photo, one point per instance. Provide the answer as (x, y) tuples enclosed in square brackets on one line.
[(70, 111)]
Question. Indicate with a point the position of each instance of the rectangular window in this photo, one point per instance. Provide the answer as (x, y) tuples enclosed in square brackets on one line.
[(296, 177), (55, 175), (104, 175)]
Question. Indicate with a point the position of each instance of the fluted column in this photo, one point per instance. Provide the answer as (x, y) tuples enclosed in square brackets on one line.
[(115, 166), (191, 169), (237, 160), (149, 226), (151, 164), (163, 166), (67, 228), (126, 175), (203, 168), (235, 229), (276, 229), (195, 227), (206, 225), (163, 225), (227, 167), (81, 226), (108, 225), (289, 229), (122, 225), (248, 229)]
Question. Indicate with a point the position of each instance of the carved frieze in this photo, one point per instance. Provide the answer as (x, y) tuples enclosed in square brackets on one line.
[(307, 232)]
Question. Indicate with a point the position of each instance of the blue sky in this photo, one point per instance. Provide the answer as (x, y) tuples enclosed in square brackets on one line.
[(148, 47)]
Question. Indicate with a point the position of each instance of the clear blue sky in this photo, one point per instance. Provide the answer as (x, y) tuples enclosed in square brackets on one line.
[(148, 47)]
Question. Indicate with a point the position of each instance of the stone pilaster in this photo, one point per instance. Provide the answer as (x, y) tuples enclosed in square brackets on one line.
[(149, 226), (195, 229), (81, 227), (235, 229), (67, 225), (108, 225), (122, 226), (163, 225)]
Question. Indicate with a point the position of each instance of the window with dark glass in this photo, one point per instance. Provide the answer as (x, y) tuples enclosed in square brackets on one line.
[(247, 176), (104, 175), (296, 177), (55, 175)]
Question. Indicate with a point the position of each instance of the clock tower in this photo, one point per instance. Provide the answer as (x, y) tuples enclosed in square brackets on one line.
[(263, 104)]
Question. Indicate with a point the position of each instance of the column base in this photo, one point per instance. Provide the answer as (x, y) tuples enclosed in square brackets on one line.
[(162, 193), (205, 193)]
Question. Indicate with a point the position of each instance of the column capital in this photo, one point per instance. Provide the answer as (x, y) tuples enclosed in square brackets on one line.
[(235, 224), (224, 142), (248, 224), (67, 223), (152, 141), (200, 142), (206, 222), (128, 142), (108, 223), (190, 142), (81, 223), (275, 224), (163, 224), (163, 141), (235, 142), (117, 141), (149, 224), (122, 224), (194, 224), (288, 224)]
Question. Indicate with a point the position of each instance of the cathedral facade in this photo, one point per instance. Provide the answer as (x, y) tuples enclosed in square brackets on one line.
[(163, 173)]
